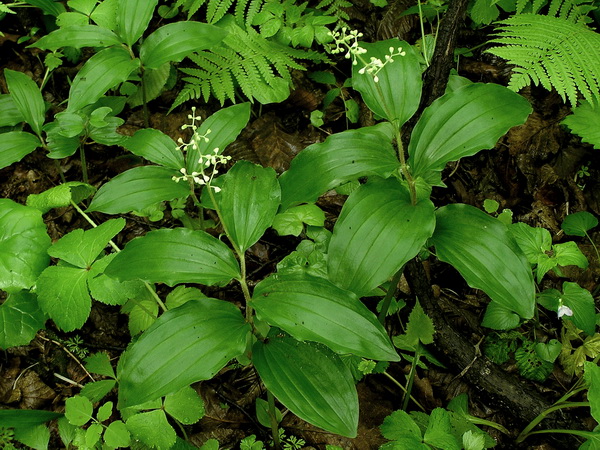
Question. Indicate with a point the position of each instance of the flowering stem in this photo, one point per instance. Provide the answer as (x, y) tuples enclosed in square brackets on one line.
[(404, 168)]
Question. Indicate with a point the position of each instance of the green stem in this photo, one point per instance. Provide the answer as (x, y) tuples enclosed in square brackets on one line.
[(144, 100), (83, 164), (423, 34), (582, 433), (411, 377), (387, 300), (593, 245), (397, 383), (404, 168), (556, 407), (273, 417)]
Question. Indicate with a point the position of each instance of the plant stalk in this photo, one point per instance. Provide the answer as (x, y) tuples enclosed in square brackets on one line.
[(387, 300), (411, 377), (274, 424)]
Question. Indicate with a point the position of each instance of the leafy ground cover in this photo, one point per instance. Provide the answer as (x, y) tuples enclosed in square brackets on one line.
[(487, 337)]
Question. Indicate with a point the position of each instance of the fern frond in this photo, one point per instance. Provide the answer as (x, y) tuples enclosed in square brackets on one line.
[(572, 10), (335, 8), (217, 9), (552, 52), (191, 6)]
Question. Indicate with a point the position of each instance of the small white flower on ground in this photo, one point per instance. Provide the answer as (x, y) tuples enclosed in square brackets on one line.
[(564, 310)]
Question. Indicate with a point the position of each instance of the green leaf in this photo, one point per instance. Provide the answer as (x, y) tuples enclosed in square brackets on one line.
[(60, 196), (108, 290), (439, 431), (105, 14), (151, 86), (198, 338), (103, 71), (78, 410), (499, 317), (419, 327), (249, 200), (581, 302), (181, 295), (152, 428), (23, 245), (81, 248), (138, 188), (174, 41), (27, 97), (592, 377), (186, 406), (482, 250), (262, 413), (133, 17), (116, 435), (99, 363), (532, 241), (313, 309), (473, 441), (311, 381), (568, 253), (36, 437), (142, 313), (548, 351), (578, 224), (461, 123), (77, 36), (225, 125), (175, 256), (291, 222), (397, 93), (341, 158), (584, 123), (9, 113), (15, 145), (22, 418), (97, 390), (63, 295), (104, 411), (399, 425), (377, 232), (20, 320)]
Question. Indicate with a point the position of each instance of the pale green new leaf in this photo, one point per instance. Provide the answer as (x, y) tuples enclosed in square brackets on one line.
[(116, 435), (174, 256), (152, 428), (20, 320), (439, 431), (27, 97), (60, 196), (568, 254), (108, 290), (579, 223), (15, 145), (133, 17), (197, 338), (248, 203), (157, 147), (419, 328), (313, 309), (311, 381), (378, 231), (186, 406), (138, 188), (77, 36), (343, 157), (291, 222), (103, 71), (399, 425), (482, 250), (23, 245), (36, 437), (104, 411), (461, 123), (533, 241), (174, 41)]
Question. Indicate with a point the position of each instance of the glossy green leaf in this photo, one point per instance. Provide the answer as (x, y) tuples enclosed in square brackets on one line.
[(313, 309), (225, 125), (397, 93), (186, 344), (341, 158), (156, 147), (77, 36), (311, 381), (116, 435), (9, 113), (439, 431), (60, 196), (378, 231), (18, 418), (20, 320), (27, 97), (133, 17), (499, 317), (175, 256), (486, 255), (138, 188), (174, 41), (23, 245), (15, 145), (153, 429), (248, 203), (461, 123), (103, 71), (186, 406), (579, 223), (104, 411)]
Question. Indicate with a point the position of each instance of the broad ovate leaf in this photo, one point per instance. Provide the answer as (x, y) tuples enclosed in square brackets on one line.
[(461, 123), (310, 380), (20, 319), (313, 309), (9, 113), (581, 302), (292, 221), (579, 223), (15, 145), (378, 231), (592, 377), (397, 92), (248, 203), (187, 344), (343, 157), (78, 36), (23, 245), (60, 196), (174, 256), (27, 97), (138, 188), (174, 41), (483, 251), (133, 17), (156, 147)]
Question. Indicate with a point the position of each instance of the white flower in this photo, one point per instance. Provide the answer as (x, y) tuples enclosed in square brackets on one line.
[(564, 310)]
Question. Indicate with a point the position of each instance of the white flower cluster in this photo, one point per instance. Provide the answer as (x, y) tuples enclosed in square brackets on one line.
[(347, 41), (376, 64)]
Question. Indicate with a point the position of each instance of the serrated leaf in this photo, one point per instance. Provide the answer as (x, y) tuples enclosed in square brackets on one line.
[(116, 435), (249, 200), (23, 245), (397, 93), (15, 145), (419, 327), (584, 123), (579, 223), (343, 157), (439, 431), (133, 17), (485, 254), (291, 222), (313, 309), (20, 319), (108, 290), (104, 411), (97, 390), (198, 338), (473, 441), (21, 418), (60, 196), (181, 295), (175, 256), (377, 232), (27, 97), (138, 188), (81, 248), (174, 41), (461, 123), (78, 410), (142, 313), (77, 36), (152, 428), (311, 381), (399, 425), (99, 363), (185, 405), (36, 437)]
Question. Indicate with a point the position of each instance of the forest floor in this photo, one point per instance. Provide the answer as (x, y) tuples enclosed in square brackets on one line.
[(531, 171)]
